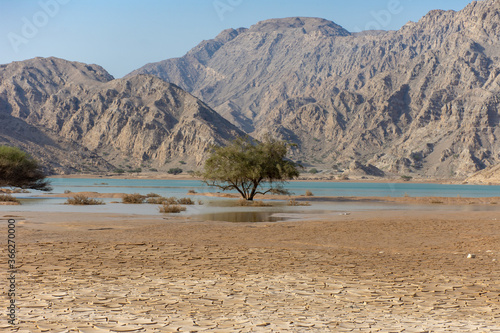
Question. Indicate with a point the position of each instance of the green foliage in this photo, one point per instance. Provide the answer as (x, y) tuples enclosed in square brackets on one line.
[(83, 200), (182, 162), (18, 169), (406, 178), (174, 171), (313, 171), (249, 168), (136, 170), (120, 171)]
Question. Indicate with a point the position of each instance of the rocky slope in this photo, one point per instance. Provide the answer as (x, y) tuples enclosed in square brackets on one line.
[(74, 116), (422, 100)]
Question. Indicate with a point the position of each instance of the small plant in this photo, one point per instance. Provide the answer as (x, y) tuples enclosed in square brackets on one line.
[(152, 195), (135, 198), (200, 202), (167, 208), (119, 171), (8, 198), (82, 200), (182, 162), (313, 171), (191, 192), (406, 178), (309, 194), (67, 192), (247, 203), (153, 170), (185, 201), (136, 170), (294, 202), (156, 200), (436, 202), (174, 171)]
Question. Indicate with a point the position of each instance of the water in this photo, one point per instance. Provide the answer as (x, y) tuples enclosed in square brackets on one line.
[(181, 187), (223, 209)]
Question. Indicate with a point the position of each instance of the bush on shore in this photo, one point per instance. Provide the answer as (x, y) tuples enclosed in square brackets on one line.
[(83, 200)]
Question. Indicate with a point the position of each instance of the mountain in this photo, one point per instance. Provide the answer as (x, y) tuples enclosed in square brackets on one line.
[(74, 116), (423, 100)]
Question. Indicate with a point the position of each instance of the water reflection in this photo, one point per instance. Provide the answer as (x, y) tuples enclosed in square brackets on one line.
[(243, 217)]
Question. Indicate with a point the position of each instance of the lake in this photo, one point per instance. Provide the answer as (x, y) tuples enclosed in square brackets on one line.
[(214, 208)]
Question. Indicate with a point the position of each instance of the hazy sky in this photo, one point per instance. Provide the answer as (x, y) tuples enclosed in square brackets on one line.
[(123, 35)]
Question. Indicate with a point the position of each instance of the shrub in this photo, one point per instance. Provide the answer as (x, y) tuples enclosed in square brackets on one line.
[(294, 202), (120, 171), (174, 171), (67, 191), (135, 198), (201, 202), (153, 170), (246, 203), (83, 200), (185, 201), (313, 171), (406, 178), (309, 193), (156, 200), (191, 192), (182, 162), (167, 208), (152, 195), (8, 198)]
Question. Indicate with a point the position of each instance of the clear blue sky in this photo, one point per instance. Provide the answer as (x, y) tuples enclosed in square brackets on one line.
[(123, 35)]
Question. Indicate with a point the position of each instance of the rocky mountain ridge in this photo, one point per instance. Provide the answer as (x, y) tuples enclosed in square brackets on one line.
[(423, 100), (74, 116)]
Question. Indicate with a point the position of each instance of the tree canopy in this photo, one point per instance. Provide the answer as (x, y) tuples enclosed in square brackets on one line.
[(250, 168), (18, 169)]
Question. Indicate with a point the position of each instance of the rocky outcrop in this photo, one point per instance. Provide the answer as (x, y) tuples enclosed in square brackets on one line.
[(487, 176), (422, 100), (74, 116)]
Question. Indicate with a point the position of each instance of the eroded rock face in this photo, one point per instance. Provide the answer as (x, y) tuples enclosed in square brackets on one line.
[(424, 99), (74, 116)]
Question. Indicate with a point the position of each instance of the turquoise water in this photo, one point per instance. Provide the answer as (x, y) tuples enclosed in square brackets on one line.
[(181, 187), (218, 208)]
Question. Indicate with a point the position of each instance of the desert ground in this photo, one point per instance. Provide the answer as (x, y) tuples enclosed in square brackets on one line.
[(384, 271)]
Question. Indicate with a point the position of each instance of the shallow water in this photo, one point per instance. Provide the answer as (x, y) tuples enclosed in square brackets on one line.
[(223, 209)]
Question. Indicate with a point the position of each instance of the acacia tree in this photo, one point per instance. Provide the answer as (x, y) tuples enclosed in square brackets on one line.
[(250, 168), (18, 169)]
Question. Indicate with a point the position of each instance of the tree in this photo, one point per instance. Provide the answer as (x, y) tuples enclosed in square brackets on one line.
[(18, 169), (250, 168), (174, 171)]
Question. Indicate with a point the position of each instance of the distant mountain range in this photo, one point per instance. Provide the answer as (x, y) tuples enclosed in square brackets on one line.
[(76, 117), (420, 101), (424, 99)]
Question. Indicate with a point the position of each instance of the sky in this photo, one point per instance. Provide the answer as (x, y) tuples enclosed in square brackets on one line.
[(123, 35)]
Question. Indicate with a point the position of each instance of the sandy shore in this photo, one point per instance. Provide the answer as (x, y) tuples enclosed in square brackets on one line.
[(389, 272)]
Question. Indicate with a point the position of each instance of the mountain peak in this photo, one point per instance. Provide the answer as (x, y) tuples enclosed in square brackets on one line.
[(306, 24)]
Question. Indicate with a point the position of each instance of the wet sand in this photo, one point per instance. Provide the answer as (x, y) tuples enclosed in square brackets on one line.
[(369, 271)]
